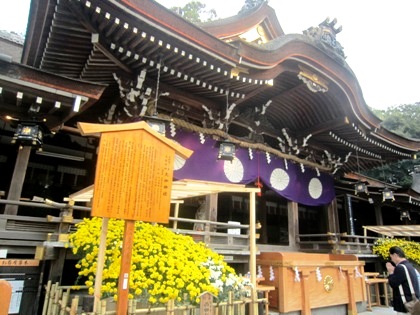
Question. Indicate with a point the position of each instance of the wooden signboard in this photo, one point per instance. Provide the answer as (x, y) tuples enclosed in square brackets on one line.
[(19, 262), (133, 182), (206, 304), (134, 172)]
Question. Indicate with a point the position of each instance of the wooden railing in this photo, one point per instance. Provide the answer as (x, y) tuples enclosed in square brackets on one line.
[(23, 234), (337, 243)]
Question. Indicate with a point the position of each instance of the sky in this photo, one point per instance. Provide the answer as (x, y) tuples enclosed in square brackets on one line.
[(380, 38)]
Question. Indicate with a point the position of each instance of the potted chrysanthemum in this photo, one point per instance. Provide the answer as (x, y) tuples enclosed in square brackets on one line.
[(164, 265)]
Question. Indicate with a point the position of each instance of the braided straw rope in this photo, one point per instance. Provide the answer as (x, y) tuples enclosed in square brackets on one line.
[(256, 146)]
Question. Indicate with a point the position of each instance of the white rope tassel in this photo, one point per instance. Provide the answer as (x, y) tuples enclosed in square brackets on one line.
[(297, 277), (357, 274), (341, 272), (259, 273), (272, 277), (202, 138), (318, 274), (267, 155), (172, 129)]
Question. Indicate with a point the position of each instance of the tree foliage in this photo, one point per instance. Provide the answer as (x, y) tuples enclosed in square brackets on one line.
[(404, 121), (195, 12)]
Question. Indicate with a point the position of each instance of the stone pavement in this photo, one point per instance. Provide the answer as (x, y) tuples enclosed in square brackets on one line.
[(379, 310), (376, 310)]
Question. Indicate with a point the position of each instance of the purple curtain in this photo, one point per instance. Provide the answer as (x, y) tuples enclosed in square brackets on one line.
[(290, 180)]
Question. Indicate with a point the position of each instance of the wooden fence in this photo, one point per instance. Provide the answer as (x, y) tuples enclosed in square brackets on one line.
[(69, 300)]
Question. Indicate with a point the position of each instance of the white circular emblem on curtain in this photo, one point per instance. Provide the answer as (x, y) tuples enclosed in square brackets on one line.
[(315, 188), (234, 170), (179, 162), (279, 179)]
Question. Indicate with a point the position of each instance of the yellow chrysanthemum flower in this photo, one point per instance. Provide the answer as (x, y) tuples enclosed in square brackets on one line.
[(164, 265)]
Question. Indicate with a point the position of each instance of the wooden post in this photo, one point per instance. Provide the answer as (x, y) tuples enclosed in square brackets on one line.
[(176, 213), (293, 222), (124, 278), (253, 253), (352, 310), (6, 296), (100, 265), (306, 307), (18, 178)]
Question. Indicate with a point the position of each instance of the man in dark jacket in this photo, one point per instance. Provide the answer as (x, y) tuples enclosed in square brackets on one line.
[(397, 277)]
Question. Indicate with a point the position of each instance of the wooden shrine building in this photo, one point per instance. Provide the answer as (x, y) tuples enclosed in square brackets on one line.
[(258, 107)]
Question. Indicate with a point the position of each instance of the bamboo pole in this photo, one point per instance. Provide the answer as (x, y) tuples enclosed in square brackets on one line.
[(103, 307), (171, 307), (100, 265), (64, 302), (53, 292), (130, 307), (57, 297), (230, 305), (74, 305), (176, 213), (46, 299)]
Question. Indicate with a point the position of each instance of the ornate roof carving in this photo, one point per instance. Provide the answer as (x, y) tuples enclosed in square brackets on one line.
[(325, 34)]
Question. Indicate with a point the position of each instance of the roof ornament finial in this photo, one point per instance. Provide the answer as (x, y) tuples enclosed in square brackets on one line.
[(325, 35)]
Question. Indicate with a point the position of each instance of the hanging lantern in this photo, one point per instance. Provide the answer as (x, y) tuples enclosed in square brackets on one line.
[(360, 187), (156, 123), (226, 151), (405, 214), (28, 134), (387, 194)]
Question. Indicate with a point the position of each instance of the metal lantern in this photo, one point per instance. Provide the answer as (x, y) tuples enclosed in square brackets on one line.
[(405, 214), (156, 123), (28, 134), (226, 151), (360, 187), (387, 194)]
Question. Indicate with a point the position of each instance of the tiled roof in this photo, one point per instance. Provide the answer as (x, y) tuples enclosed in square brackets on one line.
[(12, 36)]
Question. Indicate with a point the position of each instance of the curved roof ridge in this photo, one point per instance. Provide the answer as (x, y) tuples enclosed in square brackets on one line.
[(240, 23)]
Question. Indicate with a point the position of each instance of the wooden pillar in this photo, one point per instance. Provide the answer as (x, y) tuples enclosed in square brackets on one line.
[(262, 218), (378, 215), (15, 189), (332, 213), (57, 266), (349, 214), (293, 222), (211, 208)]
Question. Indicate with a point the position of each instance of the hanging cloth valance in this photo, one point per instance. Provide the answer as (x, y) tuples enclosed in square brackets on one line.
[(290, 180)]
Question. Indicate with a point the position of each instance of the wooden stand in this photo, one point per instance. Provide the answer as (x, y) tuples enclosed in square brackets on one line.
[(306, 281), (372, 280), (265, 289)]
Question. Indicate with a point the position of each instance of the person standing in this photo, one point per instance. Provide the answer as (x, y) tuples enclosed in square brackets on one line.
[(397, 277)]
